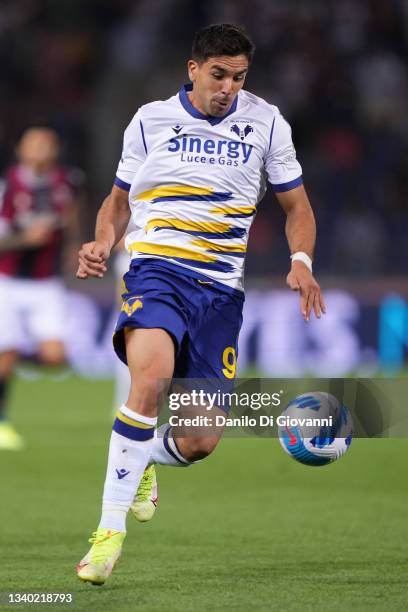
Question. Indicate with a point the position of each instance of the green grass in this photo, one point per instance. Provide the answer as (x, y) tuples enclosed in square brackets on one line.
[(247, 529)]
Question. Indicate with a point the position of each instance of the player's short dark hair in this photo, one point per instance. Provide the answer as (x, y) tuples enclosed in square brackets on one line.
[(221, 39), (37, 124)]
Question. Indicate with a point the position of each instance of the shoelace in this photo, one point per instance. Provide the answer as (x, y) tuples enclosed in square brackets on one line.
[(100, 543), (145, 486)]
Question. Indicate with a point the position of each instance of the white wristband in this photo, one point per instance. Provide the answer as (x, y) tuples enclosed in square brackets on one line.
[(303, 257)]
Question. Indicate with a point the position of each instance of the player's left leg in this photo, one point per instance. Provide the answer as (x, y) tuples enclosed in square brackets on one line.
[(9, 438), (11, 339), (52, 352), (47, 324), (52, 356)]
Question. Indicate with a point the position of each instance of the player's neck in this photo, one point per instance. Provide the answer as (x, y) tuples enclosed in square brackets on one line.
[(196, 103)]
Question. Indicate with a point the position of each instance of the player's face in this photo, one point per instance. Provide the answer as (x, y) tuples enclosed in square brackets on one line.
[(38, 149), (216, 83)]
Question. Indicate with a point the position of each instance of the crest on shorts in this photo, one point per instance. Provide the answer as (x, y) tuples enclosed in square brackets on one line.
[(132, 304), (242, 129)]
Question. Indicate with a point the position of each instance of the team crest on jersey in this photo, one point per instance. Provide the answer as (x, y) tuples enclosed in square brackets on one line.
[(242, 129), (132, 304)]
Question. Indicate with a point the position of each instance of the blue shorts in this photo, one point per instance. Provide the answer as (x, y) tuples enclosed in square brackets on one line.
[(202, 317)]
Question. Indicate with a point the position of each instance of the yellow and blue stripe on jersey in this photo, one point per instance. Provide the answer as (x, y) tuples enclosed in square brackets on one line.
[(205, 229), (199, 252), (168, 193)]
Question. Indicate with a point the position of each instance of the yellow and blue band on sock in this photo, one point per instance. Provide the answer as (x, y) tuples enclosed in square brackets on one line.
[(171, 447), (132, 428)]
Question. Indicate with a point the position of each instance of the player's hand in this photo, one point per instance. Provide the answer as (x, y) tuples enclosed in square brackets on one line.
[(301, 279), (37, 234), (92, 259)]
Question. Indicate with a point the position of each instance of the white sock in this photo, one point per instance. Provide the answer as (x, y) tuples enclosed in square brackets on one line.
[(164, 449), (129, 452)]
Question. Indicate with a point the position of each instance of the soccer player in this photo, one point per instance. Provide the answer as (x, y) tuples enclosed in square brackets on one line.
[(192, 172), (37, 214)]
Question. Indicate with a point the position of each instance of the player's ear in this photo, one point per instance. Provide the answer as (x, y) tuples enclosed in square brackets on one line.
[(192, 67)]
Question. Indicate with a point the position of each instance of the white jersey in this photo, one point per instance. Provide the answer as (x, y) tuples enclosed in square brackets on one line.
[(194, 181)]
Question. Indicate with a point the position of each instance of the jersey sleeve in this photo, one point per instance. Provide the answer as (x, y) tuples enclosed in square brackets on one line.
[(282, 168), (133, 154)]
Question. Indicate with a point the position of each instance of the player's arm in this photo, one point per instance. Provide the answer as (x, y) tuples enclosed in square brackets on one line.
[(114, 214), (12, 239), (111, 223), (301, 236), (35, 236)]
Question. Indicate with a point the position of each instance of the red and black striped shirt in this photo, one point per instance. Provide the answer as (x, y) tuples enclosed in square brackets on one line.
[(27, 199)]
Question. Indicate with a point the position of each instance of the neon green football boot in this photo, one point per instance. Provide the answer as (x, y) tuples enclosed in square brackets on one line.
[(98, 563), (10, 439), (144, 503)]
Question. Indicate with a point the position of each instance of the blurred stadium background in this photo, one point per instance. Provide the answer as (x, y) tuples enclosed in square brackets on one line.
[(338, 71), (267, 533)]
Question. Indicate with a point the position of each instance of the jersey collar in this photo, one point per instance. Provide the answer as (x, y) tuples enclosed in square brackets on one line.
[(194, 112)]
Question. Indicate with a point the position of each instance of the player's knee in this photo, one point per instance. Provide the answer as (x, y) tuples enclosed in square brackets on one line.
[(8, 361), (199, 448), (53, 360), (52, 355), (147, 395)]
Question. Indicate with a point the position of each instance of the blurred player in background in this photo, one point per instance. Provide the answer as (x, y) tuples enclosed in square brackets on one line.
[(38, 234), (192, 171)]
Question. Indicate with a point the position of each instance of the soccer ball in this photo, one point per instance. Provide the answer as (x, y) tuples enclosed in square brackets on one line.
[(315, 428)]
